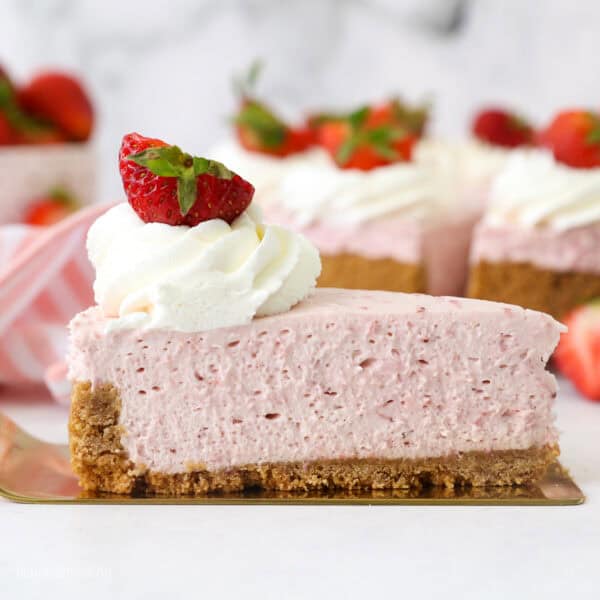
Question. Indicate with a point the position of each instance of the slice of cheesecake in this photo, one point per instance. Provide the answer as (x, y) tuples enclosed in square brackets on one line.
[(348, 389)]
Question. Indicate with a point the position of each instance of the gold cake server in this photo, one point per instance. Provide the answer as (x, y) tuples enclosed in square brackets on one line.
[(37, 472)]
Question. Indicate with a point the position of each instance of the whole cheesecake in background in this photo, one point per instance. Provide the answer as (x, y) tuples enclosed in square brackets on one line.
[(47, 165), (539, 243), (211, 364)]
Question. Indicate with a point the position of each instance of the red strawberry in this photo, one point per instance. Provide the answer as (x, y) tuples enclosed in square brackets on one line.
[(50, 209), (260, 130), (574, 138), (578, 353), (502, 128), (396, 112), (61, 100), (7, 135), (165, 185), (353, 144), (33, 133)]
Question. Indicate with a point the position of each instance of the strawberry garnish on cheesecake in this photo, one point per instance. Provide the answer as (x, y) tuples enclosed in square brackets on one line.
[(395, 111), (259, 129), (166, 185), (578, 353), (501, 127), (573, 136), (354, 142)]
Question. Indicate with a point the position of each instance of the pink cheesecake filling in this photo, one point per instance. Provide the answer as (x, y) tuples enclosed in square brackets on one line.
[(345, 374), (576, 249), (442, 247)]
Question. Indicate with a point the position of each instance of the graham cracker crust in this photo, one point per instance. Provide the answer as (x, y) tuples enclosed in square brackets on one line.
[(102, 464), (530, 286), (360, 273)]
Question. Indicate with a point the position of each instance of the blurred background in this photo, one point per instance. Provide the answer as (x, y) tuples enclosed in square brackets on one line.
[(164, 68)]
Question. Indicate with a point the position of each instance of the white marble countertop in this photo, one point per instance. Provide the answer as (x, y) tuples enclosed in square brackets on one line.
[(301, 552)]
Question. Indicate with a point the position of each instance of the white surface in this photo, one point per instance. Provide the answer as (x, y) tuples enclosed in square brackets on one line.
[(289, 552)]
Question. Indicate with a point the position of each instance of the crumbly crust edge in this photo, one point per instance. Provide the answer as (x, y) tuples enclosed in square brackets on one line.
[(554, 292), (102, 465), (352, 271)]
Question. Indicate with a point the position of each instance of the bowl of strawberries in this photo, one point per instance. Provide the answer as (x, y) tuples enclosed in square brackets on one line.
[(47, 164)]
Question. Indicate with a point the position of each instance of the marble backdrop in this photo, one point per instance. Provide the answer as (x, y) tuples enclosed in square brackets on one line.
[(164, 67)]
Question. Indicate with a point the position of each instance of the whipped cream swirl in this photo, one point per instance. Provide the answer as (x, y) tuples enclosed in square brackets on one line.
[(151, 275), (534, 190), (264, 171), (348, 197)]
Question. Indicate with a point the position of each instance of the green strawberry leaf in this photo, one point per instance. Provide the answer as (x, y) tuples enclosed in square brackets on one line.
[(165, 161), (593, 137), (186, 190), (6, 93), (270, 130), (414, 118), (385, 151), (171, 161), (346, 150), (212, 167), (358, 117), (244, 85)]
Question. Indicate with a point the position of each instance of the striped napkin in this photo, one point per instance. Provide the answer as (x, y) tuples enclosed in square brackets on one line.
[(45, 278)]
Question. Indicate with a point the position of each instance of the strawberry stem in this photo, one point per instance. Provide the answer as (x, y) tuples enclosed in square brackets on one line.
[(171, 161)]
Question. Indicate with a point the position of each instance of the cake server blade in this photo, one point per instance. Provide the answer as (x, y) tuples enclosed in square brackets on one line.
[(37, 472)]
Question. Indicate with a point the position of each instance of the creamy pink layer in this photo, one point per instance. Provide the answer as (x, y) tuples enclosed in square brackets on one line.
[(344, 374), (443, 247), (571, 250)]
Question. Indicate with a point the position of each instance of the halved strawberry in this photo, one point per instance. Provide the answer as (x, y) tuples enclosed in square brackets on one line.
[(501, 127), (165, 185), (578, 353), (50, 208), (574, 138), (355, 145)]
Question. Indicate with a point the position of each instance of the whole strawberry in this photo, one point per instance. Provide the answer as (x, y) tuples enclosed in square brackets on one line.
[(578, 353), (7, 134), (166, 185), (59, 99), (50, 208), (259, 129), (573, 136), (500, 127)]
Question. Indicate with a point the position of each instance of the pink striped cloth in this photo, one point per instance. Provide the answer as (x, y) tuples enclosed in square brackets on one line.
[(45, 278)]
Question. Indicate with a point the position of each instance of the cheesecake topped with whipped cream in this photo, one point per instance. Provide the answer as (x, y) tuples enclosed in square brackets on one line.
[(538, 244), (380, 217), (210, 362)]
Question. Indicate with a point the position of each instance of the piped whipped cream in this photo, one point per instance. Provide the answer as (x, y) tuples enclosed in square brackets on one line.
[(264, 171), (156, 276), (349, 197), (472, 162), (533, 190)]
